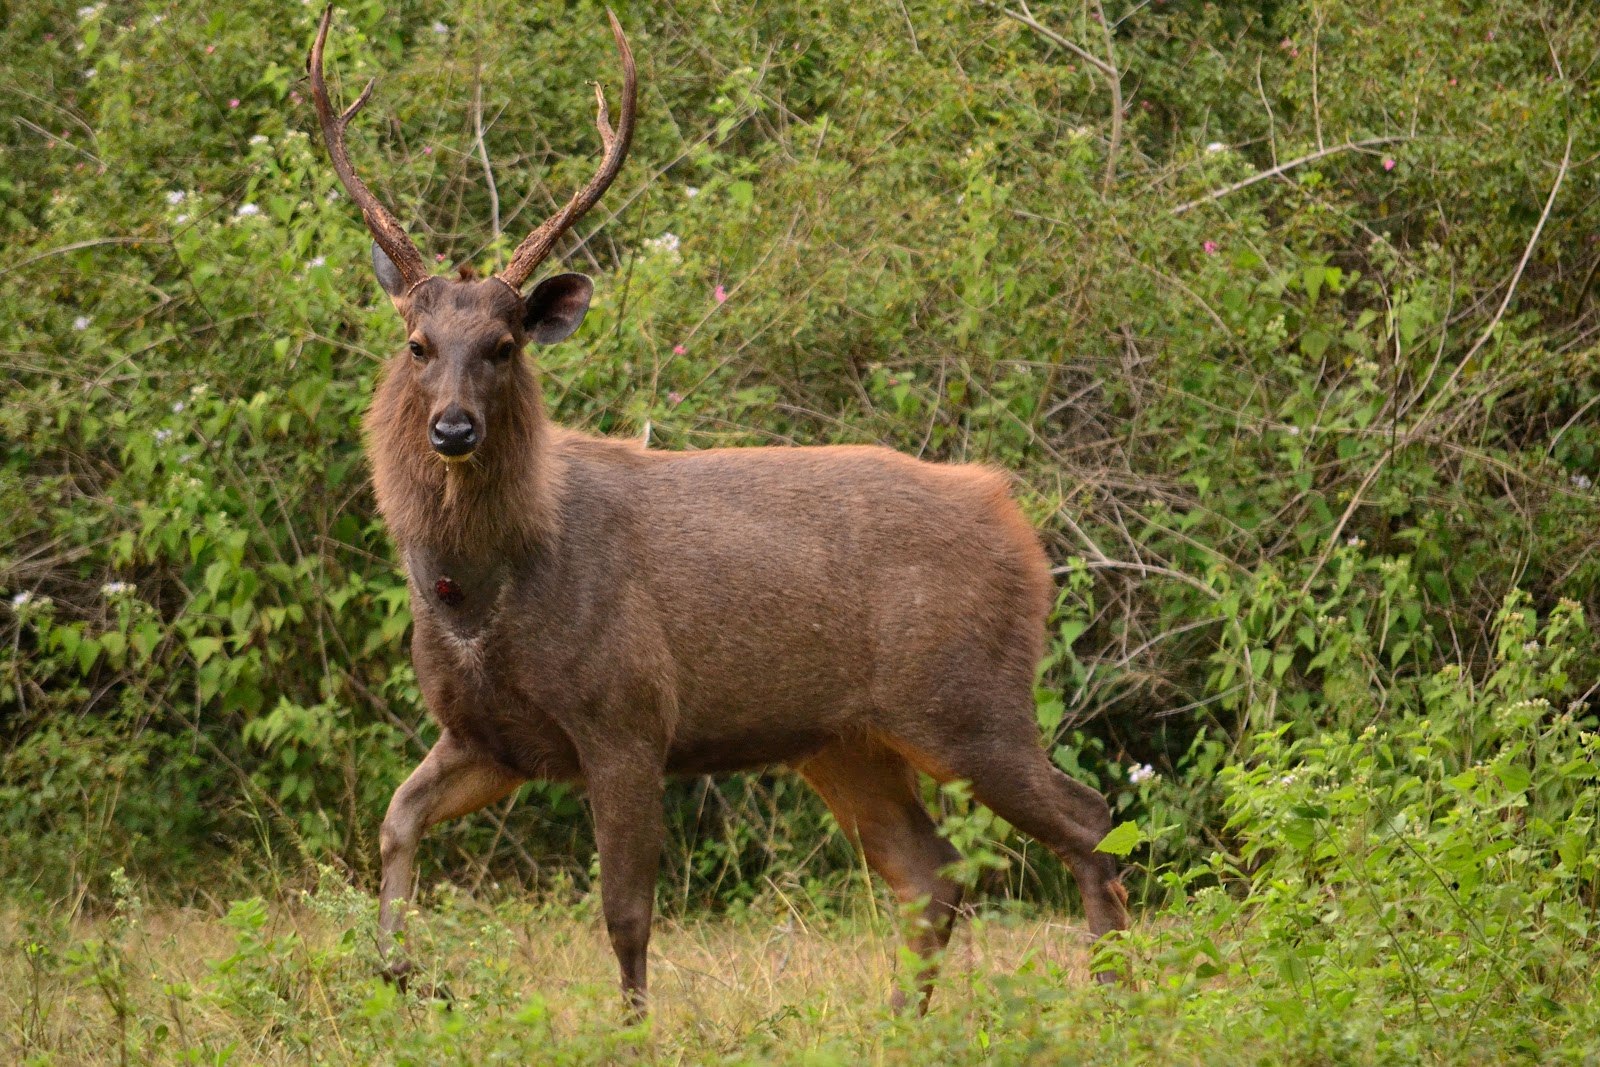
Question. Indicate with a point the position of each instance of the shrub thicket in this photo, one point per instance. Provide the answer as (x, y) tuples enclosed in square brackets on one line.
[(1282, 312)]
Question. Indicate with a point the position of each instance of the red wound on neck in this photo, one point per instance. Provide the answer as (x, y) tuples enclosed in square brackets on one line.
[(448, 591)]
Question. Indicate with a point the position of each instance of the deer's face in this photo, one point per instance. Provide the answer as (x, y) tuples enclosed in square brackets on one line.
[(464, 339)]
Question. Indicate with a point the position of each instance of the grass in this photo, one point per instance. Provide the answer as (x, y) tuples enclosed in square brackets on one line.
[(293, 980)]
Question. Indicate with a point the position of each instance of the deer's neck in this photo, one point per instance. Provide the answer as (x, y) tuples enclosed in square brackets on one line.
[(473, 518)]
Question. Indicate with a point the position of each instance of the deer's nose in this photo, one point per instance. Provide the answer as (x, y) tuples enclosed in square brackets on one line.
[(453, 434)]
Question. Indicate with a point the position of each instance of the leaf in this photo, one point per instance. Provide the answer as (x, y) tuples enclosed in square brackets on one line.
[(1122, 840), (1514, 776)]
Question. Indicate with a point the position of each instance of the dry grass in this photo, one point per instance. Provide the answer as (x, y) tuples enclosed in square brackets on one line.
[(300, 987)]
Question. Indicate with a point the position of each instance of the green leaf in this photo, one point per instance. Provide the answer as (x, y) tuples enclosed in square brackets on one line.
[(1122, 840)]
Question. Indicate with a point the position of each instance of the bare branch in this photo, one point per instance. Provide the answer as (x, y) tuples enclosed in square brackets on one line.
[(1281, 168)]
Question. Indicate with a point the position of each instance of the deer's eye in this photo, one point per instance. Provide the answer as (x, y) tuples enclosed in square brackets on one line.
[(417, 351), (504, 351)]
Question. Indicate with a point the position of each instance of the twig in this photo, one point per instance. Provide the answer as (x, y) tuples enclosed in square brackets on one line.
[(1107, 67), (1114, 82), (1273, 172), (1055, 38), (1420, 426), (53, 139), (483, 155), (1101, 561), (78, 245)]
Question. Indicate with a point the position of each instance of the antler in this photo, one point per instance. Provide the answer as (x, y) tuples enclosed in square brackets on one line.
[(537, 245), (388, 232)]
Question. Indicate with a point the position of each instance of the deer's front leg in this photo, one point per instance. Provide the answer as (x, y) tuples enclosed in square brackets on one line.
[(451, 780), (626, 797)]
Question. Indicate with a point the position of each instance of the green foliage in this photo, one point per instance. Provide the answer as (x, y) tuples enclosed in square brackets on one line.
[(1314, 451), (1423, 885)]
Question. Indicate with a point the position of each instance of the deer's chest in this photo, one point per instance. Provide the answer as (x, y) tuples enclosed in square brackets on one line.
[(484, 670)]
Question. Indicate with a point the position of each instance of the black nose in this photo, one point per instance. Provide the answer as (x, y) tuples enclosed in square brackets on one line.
[(453, 433)]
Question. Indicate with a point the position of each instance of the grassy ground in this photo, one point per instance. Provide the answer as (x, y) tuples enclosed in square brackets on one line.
[(291, 981)]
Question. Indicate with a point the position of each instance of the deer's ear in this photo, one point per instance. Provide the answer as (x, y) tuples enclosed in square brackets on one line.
[(556, 308), (388, 274)]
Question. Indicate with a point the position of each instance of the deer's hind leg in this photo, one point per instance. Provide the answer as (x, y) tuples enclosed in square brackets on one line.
[(1011, 775), (873, 794)]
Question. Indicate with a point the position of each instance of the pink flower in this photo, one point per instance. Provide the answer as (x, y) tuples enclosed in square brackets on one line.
[(210, 48), (438, 257), (720, 295), (678, 350), (1388, 164), (1210, 247), (294, 96), (427, 150), (234, 102), (674, 397)]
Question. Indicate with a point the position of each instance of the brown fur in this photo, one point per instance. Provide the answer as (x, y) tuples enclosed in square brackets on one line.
[(626, 614)]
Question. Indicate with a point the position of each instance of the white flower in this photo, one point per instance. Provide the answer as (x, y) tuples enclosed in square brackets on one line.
[(22, 599), (1216, 146), (691, 191), (667, 242), (246, 210), (81, 322), (181, 219), (162, 436), (1581, 481), (1141, 772), (1294, 431), (89, 73), (175, 197), (177, 407), (1355, 542), (259, 138), (440, 28), (89, 12), (116, 588), (156, 20), (316, 262)]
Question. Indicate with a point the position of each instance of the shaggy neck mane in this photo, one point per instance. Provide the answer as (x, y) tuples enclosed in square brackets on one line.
[(501, 501)]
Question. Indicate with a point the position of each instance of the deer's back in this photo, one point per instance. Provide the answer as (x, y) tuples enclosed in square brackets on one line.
[(798, 592)]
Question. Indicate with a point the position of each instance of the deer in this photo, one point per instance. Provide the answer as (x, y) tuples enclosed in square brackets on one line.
[(592, 611)]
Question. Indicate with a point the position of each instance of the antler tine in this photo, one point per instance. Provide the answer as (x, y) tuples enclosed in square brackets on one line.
[(386, 230), (537, 245)]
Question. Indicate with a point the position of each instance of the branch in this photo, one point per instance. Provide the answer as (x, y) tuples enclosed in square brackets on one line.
[(77, 245), (1114, 81), (1273, 172), (1055, 38), (483, 155), (1107, 67), (1420, 426)]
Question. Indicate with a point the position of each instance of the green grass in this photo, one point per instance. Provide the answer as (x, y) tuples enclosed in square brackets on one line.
[(294, 980)]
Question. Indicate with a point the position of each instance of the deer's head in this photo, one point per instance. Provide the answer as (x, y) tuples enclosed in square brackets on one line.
[(465, 336)]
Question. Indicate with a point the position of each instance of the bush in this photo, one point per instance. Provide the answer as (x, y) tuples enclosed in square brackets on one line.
[(1293, 355)]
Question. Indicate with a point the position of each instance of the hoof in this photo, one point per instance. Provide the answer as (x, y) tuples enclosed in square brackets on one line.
[(398, 973)]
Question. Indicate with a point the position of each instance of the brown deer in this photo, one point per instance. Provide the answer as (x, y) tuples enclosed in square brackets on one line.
[(591, 611)]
